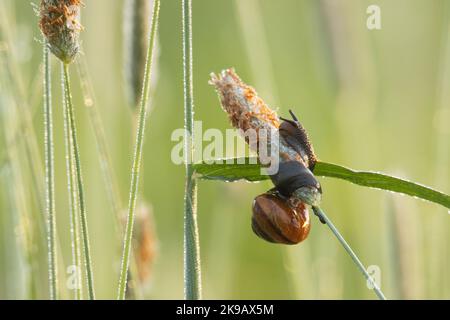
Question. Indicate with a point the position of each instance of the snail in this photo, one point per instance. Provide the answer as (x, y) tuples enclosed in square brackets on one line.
[(281, 215), (276, 220)]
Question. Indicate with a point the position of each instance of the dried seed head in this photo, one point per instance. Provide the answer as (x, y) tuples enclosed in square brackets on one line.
[(60, 24), (296, 156), (136, 27), (145, 242), (246, 110)]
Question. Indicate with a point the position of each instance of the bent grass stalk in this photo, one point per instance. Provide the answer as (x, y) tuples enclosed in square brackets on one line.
[(49, 178), (319, 212), (72, 191), (138, 154), (79, 182), (192, 271)]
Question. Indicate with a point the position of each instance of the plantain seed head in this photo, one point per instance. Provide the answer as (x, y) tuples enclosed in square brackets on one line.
[(60, 24)]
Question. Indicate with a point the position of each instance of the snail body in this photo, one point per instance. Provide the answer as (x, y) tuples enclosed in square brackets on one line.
[(293, 178)]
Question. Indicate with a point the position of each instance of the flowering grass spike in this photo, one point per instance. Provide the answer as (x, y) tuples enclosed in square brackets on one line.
[(60, 24)]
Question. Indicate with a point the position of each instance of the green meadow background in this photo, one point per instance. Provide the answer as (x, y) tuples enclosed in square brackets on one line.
[(371, 100)]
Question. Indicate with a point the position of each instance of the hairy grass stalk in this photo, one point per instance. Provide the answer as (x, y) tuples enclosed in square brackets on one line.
[(73, 195), (49, 179), (79, 183), (106, 167), (192, 270), (349, 250), (138, 155)]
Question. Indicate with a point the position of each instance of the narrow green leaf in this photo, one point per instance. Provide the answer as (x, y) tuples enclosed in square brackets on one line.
[(250, 170), (236, 169), (382, 181)]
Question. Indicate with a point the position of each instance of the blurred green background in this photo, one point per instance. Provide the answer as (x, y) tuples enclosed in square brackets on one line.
[(373, 100)]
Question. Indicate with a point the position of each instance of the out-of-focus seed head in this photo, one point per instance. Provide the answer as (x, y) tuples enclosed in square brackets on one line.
[(60, 24), (145, 241), (136, 27)]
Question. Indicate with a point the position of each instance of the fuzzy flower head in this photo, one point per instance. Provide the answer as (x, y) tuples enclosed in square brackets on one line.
[(60, 24), (246, 110)]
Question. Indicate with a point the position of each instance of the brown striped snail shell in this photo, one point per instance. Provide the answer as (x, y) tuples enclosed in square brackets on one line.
[(276, 220)]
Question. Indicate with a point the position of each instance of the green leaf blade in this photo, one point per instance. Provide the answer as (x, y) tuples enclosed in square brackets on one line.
[(237, 169), (249, 169), (382, 181)]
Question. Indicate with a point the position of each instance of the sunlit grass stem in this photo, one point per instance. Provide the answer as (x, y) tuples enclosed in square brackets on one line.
[(79, 184), (73, 197), (349, 250), (138, 155), (49, 179), (104, 155), (192, 270)]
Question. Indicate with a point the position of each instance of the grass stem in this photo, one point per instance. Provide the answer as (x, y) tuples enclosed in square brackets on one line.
[(79, 186), (49, 179), (73, 195), (192, 270), (138, 155), (106, 166), (349, 250)]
